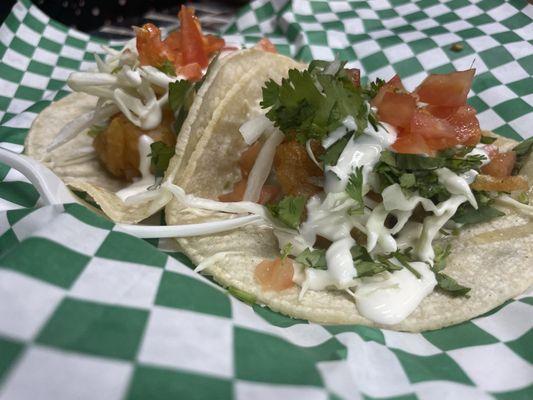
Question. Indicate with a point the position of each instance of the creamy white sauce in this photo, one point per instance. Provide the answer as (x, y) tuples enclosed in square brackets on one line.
[(363, 151), (340, 262), (327, 218), (433, 224), (377, 233), (147, 178), (347, 125), (388, 299), (456, 184)]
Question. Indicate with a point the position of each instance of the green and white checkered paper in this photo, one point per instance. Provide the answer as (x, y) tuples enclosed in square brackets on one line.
[(87, 312)]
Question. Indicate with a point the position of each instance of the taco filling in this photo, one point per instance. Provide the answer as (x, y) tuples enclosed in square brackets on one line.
[(144, 93), (365, 185)]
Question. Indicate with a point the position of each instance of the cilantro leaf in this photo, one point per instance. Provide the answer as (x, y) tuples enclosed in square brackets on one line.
[(441, 253), (310, 104), (354, 188), (368, 268), (373, 88), (466, 214), (417, 173), (161, 155), (168, 68), (332, 154), (95, 130), (312, 258), (404, 259), (407, 180), (450, 286), (487, 139), (286, 250), (289, 210), (363, 263), (180, 96), (243, 296), (445, 282), (522, 151)]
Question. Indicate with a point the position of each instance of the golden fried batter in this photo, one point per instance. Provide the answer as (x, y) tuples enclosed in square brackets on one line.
[(293, 169), (117, 145)]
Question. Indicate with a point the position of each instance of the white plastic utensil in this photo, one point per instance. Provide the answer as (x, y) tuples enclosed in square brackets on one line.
[(54, 191)]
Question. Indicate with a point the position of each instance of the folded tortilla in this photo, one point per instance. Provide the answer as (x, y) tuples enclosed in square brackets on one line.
[(495, 258), (90, 177)]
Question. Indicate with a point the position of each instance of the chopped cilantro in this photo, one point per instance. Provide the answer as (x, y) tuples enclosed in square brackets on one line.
[(487, 139), (168, 68), (354, 188), (243, 296), (161, 155), (407, 180), (368, 268), (404, 259), (373, 88), (522, 151), (95, 130), (416, 173), (286, 250), (444, 282), (289, 210), (180, 96), (523, 198), (314, 102), (332, 154), (441, 253), (312, 258), (466, 214), (450, 286)]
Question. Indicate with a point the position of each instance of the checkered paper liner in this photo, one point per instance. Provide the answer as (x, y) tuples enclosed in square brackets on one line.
[(87, 312)]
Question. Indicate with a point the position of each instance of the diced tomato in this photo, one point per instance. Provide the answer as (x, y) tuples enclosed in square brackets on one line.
[(269, 193), (248, 158), (397, 109), (355, 75), (237, 194), (459, 127), (213, 43), (411, 143), (275, 274), (441, 112), (393, 85), (437, 132), (187, 48), (448, 90), (192, 45), (191, 72), (152, 51), (501, 165), (466, 125), (266, 45)]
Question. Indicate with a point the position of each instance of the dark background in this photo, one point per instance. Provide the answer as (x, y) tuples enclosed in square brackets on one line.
[(113, 18)]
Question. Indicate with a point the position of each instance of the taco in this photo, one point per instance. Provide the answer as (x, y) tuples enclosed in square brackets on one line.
[(111, 141), (379, 206)]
